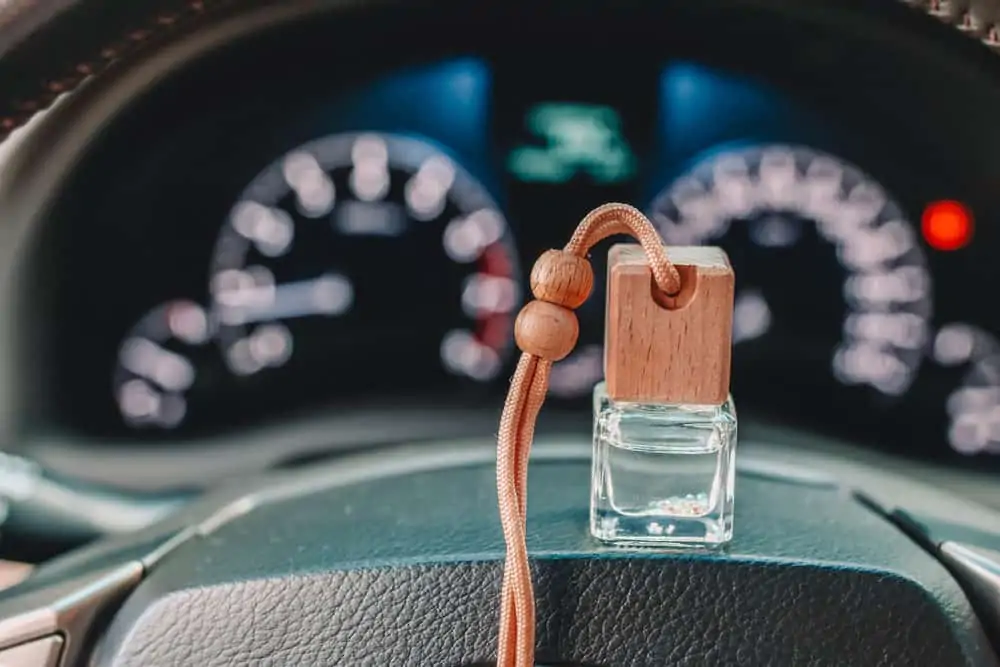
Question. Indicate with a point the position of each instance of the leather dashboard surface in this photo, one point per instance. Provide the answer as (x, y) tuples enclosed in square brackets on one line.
[(346, 575)]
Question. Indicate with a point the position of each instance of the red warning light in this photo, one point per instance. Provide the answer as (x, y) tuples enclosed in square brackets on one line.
[(946, 225)]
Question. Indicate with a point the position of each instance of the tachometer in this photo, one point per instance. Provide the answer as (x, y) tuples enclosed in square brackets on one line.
[(825, 260), (357, 254)]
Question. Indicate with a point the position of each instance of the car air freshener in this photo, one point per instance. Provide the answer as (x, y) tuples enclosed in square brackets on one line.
[(664, 422), (665, 427)]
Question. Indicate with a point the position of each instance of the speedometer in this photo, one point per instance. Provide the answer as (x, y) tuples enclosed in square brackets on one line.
[(368, 253), (352, 263), (825, 260)]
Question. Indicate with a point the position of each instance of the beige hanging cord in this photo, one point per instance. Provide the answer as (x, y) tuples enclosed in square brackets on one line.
[(546, 330)]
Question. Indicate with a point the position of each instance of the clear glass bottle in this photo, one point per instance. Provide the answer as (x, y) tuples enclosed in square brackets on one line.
[(663, 475)]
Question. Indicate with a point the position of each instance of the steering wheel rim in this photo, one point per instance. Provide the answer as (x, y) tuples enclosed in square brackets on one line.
[(43, 54), (384, 595)]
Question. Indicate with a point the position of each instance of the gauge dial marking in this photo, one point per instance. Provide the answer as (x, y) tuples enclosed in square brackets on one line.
[(751, 316), (974, 407), (188, 322), (466, 238), (143, 405), (269, 345), (270, 229), (427, 190), (154, 372), (314, 191), (370, 174), (147, 360)]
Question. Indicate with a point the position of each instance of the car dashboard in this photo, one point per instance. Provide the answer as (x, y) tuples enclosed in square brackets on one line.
[(260, 264), (332, 251)]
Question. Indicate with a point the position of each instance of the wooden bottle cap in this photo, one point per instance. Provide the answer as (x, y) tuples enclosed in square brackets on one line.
[(660, 349)]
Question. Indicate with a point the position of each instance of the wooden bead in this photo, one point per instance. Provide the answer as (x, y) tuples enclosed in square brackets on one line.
[(562, 278), (546, 330)]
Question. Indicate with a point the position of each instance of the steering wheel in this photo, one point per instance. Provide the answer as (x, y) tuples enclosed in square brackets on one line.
[(394, 557)]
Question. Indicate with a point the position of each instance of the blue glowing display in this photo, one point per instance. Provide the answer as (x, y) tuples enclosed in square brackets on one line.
[(446, 102), (702, 106), (704, 110)]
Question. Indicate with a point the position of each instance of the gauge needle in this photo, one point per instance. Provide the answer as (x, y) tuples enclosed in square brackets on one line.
[(330, 294)]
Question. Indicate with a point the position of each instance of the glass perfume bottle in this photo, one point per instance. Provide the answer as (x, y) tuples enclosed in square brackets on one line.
[(664, 422), (663, 474)]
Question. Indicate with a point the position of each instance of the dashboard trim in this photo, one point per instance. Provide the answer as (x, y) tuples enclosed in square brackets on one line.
[(977, 18), (978, 570), (768, 452)]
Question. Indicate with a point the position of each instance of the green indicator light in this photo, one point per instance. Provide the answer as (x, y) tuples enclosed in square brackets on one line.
[(578, 138)]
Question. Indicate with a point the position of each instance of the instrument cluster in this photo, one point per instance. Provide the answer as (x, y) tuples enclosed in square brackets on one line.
[(374, 248)]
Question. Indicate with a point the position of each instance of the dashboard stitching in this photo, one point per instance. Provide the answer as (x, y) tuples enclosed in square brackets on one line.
[(162, 21), (980, 20)]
